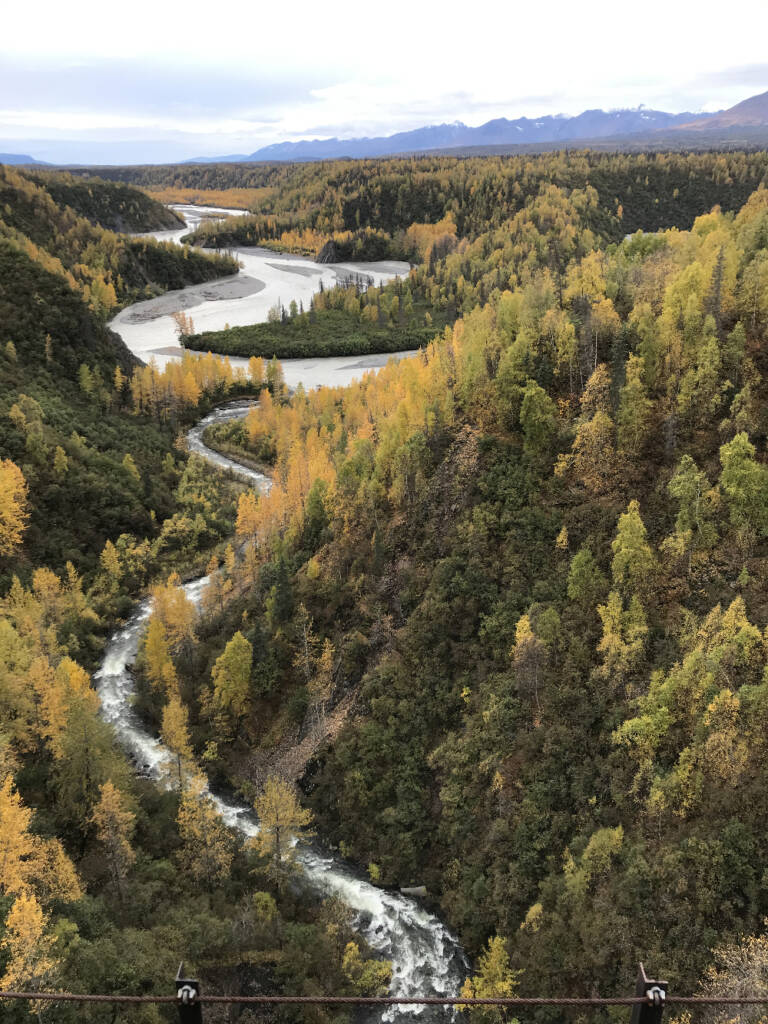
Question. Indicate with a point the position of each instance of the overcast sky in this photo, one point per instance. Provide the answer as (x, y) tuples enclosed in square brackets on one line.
[(149, 80)]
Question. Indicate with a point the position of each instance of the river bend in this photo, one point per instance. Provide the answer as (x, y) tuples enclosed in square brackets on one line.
[(426, 958)]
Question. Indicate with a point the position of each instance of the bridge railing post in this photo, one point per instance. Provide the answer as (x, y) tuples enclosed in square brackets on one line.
[(652, 1011), (187, 992)]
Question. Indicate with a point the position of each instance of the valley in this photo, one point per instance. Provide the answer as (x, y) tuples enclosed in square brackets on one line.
[(504, 597)]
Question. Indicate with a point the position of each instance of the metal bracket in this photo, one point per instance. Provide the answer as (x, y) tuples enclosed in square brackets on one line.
[(655, 993), (187, 992)]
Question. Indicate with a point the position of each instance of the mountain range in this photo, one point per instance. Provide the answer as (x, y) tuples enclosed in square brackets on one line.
[(743, 125), (590, 126)]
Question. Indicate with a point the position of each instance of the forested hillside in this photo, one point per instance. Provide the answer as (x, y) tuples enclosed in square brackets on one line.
[(527, 569), (106, 878), (108, 204), (65, 379), (361, 197), (108, 269), (501, 614)]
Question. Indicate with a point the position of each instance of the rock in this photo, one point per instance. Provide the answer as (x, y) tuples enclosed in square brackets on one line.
[(328, 253), (419, 891)]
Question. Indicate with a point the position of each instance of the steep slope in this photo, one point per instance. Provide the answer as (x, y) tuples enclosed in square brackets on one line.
[(109, 205), (108, 269), (64, 377), (536, 556)]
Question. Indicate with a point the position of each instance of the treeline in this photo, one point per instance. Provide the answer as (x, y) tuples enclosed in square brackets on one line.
[(653, 191), (534, 558)]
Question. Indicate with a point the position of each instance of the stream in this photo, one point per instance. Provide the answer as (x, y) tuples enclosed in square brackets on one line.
[(427, 959)]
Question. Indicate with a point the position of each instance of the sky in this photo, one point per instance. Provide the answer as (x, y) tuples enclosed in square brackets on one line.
[(151, 81)]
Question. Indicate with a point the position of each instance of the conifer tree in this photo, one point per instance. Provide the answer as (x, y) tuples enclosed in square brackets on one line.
[(114, 827), (282, 821), (175, 735)]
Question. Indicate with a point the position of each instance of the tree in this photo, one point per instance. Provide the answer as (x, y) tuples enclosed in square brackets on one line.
[(282, 821), (586, 583), (305, 657), (60, 462), (739, 968), (633, 562), (624, 634), (538, 421), (29, 946), (247, 522), (16, 844), (593, 456), (694, 529), (14, 511), (494, 979), (528, 656), (634, 408), (368, 977), (596, 396), (320, 686), (175, 735), (129, 465), (156, 652), (744, 482), (109, 560), (114, 827), (176, 612), (231, 677), (28, 863), (206, 844)]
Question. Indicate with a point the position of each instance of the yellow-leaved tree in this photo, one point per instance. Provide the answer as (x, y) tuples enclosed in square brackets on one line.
[(27, 862), (32, 964), (282, 821), (494, 979), (14, 510), (114, 826), (175, 735), (206, 852)]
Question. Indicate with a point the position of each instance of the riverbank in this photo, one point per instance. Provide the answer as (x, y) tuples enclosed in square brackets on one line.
[(265, 280)]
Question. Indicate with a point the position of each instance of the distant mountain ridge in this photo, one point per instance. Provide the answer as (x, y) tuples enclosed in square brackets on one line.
[(752, 112), (21, 158), (591, 124)]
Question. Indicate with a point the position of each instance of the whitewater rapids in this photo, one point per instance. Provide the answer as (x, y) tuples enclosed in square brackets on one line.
[(427, 959)]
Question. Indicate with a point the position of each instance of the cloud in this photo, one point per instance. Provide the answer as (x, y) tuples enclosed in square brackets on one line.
[(748, 75), (140, 88)]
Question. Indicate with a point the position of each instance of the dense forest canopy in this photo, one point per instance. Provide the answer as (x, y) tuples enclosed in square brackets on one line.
[(502, 613), (658, 190), (535, 554)]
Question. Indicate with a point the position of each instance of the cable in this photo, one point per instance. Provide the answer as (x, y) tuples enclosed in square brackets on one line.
[(512, 1001)]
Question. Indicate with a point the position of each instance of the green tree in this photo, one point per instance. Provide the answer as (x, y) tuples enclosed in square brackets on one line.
[(538, 421), (633, 562), (744, 481), (634, 408), (586, 583)]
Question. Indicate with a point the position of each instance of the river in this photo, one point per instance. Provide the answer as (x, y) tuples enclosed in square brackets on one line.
[(427, 959), (265, 278)]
